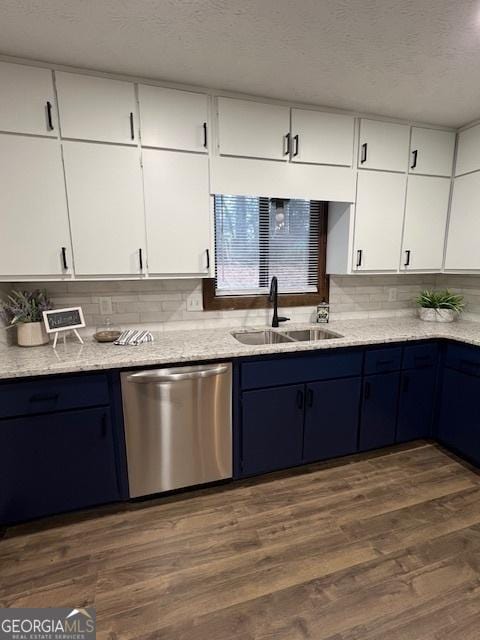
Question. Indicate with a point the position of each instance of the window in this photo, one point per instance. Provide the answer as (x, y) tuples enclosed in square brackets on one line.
[(258, 238)]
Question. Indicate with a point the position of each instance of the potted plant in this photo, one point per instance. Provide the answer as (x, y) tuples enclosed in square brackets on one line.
[(439, 306), (23, 309)]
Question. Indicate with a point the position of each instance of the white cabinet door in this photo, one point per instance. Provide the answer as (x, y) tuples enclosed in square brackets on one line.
[(253, 129), (96, 108), (172, 119), (464, 227), (378, 220), (105, 200), (323, 138), (431, 151), (33, 208), (383, 145), (468, 153), (425, 223), (177, 206), (27, 101)]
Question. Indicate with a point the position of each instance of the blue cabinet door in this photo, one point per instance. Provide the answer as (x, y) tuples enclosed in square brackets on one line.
[(379, 410), (416, 401), (459, 416), (272, 429), (331, 419), (54, 463)]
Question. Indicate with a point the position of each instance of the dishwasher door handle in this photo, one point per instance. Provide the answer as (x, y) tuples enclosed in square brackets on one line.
[(158, 375)]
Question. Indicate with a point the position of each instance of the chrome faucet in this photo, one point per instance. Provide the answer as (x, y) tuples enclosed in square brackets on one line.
[(273, 297)]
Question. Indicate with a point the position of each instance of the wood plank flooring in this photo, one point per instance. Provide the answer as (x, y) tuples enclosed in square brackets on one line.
[(373, 547)]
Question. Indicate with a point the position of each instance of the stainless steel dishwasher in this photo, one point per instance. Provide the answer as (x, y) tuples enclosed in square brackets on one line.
[(178, 427)]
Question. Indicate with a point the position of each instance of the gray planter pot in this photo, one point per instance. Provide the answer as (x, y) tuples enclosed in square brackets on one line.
[(437, 315)]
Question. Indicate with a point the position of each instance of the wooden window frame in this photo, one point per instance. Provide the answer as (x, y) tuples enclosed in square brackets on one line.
[(212, 302)]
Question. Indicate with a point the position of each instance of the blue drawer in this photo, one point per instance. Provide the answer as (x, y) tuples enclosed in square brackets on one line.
[(383, 360), (47, 395), (298, 369), (420, 356), (463, 358)]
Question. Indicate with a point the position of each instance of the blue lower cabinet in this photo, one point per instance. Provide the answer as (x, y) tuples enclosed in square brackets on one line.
[(272, 429), (57, 462), (331, 418), (459, 416), (379, 410), (416, 404)]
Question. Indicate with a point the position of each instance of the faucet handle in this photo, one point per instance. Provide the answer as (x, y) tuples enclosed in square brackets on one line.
[(283, 319)]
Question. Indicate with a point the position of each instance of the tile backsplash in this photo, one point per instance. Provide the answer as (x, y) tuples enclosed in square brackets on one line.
[(177, 304)]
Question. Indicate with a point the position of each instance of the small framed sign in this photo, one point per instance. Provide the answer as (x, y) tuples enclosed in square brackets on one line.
[(59, 320)]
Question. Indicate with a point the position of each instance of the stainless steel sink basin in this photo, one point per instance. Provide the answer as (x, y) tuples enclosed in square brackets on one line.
[(310, 335), (261, 337), (267, 336)]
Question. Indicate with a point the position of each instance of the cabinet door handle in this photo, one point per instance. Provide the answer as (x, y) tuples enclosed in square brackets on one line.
[(310, 398), (104, 425), (297, 145), (363, 157), (64, 258), (407, 258), (205, 135), (414, 160), (49, 116), (207, 253), (300, 399), (359, 257), (140, 258), (366, 390), (406, 383), (287, 145), (44, 397), (132, 127)]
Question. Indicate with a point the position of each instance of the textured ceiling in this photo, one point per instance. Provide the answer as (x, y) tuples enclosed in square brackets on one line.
[(414, 59)]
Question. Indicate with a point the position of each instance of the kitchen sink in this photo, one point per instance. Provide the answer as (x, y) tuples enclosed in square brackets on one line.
[(261, 337), (307, 335), (267, 336)]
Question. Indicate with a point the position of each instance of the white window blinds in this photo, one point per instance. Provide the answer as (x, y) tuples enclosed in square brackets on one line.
[(257, 238)]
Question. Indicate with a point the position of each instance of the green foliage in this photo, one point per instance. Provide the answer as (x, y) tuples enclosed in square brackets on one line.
[(440, 300), (25, 306)]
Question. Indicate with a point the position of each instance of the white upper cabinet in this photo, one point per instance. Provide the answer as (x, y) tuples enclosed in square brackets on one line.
[(27, 100), (383, 145), (464, 227), (431, 151), (425, 223), (172, 119), (378, 220), (468, 153), (253, 129), (105, 199), (177, 207), (34, 237), (322, 138), (94, 108)]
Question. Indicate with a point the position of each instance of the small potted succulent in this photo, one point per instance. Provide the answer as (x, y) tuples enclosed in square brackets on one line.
[(23, 309), (439, 306)]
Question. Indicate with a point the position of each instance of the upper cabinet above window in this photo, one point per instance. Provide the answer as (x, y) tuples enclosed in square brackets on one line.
[(322, 138), (431, 151), (253, 129), (27, 100), (172, 119), (97, 109), (383, 145)]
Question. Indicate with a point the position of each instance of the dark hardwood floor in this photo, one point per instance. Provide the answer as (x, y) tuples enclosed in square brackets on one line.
[(375, 547)]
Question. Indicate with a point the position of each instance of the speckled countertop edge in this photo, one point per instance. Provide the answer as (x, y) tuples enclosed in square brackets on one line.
[(176, 347)]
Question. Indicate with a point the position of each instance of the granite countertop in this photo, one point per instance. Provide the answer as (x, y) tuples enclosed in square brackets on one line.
[(217, 344)]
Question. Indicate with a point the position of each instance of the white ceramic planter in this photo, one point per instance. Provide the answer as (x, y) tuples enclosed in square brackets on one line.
[(31, 334), (437, 315)]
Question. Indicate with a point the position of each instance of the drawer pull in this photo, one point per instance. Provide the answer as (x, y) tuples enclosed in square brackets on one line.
[(44, 397), (384, 363)]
